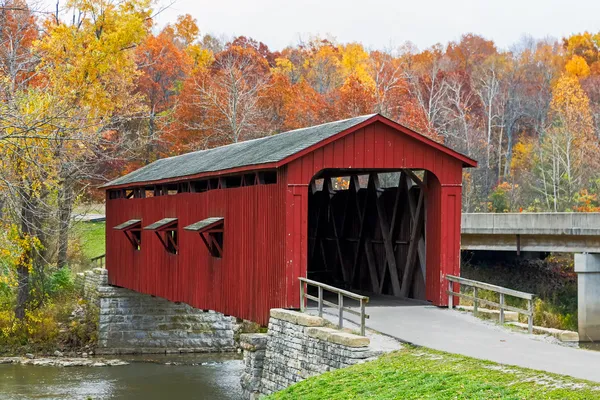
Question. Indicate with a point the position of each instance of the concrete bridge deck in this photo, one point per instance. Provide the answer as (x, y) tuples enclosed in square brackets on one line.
[(542, 232), (460, 333)]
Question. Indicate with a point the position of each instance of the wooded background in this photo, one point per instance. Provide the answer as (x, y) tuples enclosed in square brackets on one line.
[(97, 90)]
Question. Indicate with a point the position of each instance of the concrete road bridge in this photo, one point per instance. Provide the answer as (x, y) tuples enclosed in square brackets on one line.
[(536, 232), (577, 233)]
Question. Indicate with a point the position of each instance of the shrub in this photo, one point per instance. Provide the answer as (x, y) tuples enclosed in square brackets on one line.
[(67, 323), (60, 281)]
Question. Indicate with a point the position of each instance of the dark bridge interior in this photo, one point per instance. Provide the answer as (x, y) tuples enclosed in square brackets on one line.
[(367, 231)]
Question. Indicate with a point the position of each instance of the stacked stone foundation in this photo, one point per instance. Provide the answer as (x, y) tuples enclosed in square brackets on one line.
[(296, 347), (135, 323)]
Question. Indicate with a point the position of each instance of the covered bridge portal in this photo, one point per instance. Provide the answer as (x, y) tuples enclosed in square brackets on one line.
[(363, 203)]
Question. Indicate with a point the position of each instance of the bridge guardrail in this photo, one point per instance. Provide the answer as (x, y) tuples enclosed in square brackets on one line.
[(99, 262), (363, 300), (497, 289)]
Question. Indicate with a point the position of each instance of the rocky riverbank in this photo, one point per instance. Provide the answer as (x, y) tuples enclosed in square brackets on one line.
[(62, 361)]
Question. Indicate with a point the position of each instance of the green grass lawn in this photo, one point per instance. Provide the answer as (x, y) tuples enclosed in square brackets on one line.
[(91, 237), (418, 373)]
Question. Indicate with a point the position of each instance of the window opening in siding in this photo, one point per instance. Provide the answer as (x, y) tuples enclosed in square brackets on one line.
[(200, 186), (267, 177), (231, 182), (172, 190), (250, 180), (213, 183)]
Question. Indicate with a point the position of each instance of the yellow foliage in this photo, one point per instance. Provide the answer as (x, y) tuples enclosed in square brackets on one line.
[(202, 58), (570, 108), (522, 156), (578, 67), (356, 62), (92, 63), (15, 247), (323, 68), (585, 45), (187, 28), (283, 66)]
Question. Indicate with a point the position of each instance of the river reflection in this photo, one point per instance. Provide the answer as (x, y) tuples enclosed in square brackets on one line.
[(191, 377)]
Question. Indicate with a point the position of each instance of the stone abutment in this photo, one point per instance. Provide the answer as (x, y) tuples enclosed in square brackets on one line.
[(296, 346), (134, 323)]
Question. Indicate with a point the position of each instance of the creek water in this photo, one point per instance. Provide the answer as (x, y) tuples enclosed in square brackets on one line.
[(146, 377)]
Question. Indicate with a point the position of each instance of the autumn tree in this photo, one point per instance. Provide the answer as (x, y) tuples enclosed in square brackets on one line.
[(322, 66), (163, 63), (390, 86), (426, 77), (567, 155), (221, 104), (89, 63)]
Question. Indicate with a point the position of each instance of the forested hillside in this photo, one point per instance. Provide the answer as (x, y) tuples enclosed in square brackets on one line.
[(99, 90)]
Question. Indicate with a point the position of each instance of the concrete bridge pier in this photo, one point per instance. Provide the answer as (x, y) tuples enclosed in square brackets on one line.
[(587, 267)]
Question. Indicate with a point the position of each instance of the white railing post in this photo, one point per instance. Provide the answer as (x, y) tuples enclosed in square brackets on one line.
[(362, 317), (301, 296), (450, 295), (475, 302), (530, 316), (502, 291), (341, 310), (501, 308), (320, 301)]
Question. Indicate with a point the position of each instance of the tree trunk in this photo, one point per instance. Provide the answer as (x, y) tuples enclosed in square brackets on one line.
[(65, 208), (2, 200), (26, 259), (149, 156)]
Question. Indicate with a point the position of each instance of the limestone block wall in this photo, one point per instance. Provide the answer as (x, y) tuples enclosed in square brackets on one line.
[(296, 347), (255, 347), (131, 322)]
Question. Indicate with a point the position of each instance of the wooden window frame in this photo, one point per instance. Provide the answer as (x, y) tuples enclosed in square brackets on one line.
[(211, 233), (168, 235), (133, 231)]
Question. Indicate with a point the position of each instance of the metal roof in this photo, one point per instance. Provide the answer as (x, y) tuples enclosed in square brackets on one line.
[(127, 224), (201, 225), (252, 152), (160, 223)]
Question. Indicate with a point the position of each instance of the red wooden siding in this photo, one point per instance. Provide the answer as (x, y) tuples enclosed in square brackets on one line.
[(266, 228), (376, 147), (246, 282)]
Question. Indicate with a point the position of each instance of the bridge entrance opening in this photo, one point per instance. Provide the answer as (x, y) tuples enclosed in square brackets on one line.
[(366, 231)]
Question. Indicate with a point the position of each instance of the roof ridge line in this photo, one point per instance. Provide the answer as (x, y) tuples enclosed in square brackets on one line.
[(366, 116)]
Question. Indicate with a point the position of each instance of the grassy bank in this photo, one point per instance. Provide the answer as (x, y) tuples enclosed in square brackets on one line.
[(90, 238), (418, 373)]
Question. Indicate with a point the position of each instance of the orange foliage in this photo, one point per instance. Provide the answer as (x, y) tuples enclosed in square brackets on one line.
[(18, 31), (356, 98), (163, 64), (587, 202)]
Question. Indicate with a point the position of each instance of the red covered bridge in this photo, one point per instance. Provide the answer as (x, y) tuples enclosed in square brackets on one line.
[(363, 203)]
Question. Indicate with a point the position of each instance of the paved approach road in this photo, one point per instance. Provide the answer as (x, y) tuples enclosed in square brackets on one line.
[(460, 333)]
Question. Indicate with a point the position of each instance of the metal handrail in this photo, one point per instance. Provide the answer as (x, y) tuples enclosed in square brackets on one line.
[(363, 300), (502, 291), (99, 261)]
